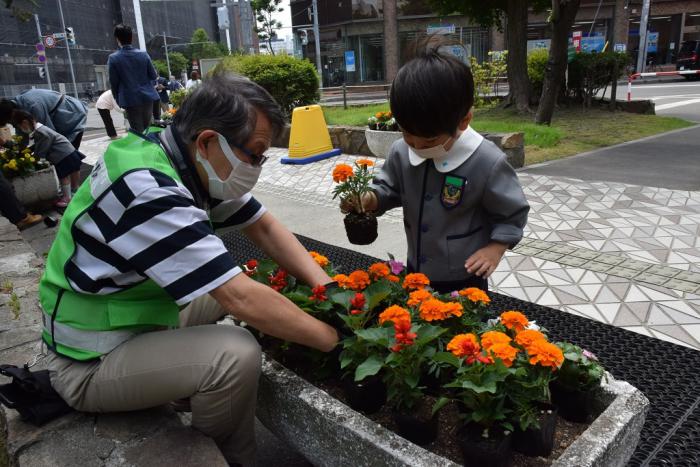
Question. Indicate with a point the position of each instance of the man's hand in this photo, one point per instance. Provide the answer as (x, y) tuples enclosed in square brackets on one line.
[(485, 260)]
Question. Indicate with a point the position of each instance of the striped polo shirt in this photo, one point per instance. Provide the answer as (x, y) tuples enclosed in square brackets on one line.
[(147, 225)]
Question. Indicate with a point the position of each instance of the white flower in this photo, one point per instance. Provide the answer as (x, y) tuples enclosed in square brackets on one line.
[(532, 325)]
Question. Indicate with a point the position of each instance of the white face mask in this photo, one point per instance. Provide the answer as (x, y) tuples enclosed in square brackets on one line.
[(436, 152), (240, 181)]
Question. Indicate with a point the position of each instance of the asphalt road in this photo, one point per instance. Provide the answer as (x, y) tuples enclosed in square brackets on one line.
[(678, 98)]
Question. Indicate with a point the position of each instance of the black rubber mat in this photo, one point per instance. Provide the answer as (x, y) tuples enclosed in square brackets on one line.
[(668, 374)]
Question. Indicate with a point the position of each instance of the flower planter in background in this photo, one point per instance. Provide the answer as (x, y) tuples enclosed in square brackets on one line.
[(37, 187), (379, 142)]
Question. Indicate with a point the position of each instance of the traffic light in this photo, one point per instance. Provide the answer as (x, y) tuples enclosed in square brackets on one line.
[(70, 35), (303, 36), (222, 17), (40, 52), (42, 72)]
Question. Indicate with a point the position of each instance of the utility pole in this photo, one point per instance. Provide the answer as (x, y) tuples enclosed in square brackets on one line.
[(317, 42), (643, 35), (70, 61), (167, 58), (41, 39), (139, 24)]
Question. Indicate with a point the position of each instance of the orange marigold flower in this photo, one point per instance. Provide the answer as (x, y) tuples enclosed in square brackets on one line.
[(490, 338), (342, 280), (415, 280), (379, 270), (526, 337), (364, 162), (418, 296), (546, 354), (505, 352), (319, 258), (341, 173), (358, 280), (453, 308), (379, 114), (475, 295), (392, 278), (394, 314), (433, 310), (514, 320), (388, 114), (466, 346)]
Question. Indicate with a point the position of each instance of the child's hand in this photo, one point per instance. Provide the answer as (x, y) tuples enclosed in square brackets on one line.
[(369, 203), (485, 260)]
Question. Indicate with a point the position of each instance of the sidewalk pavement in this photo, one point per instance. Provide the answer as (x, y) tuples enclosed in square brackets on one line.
[(623, 254)]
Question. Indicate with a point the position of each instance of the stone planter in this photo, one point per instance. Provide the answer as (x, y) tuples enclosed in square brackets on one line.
[(329, 433), (379, 142), (36, 187)]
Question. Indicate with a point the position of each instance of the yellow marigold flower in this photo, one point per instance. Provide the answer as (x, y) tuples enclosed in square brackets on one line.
[(546, 354), (490, 338), (379, 270), (462, 345), (432, 310), (415, 280), (32, 159), (395, 314), (364, 162), (452, 308), (319, 258), (358, 280), (342, 280), (514, 320), (341, 173), (505, 352), (418, 296), (526, 337)]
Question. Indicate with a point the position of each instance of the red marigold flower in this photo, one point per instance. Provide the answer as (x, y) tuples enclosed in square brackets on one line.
[(251, 264), (356, 312), (358, 301), (318, 293), (279, 280)]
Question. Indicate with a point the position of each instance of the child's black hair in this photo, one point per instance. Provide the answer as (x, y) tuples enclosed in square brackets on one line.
[(18, 116), (432, 93)]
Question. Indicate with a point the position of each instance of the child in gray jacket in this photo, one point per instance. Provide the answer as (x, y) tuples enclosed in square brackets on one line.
[(56, 149), (462, 203)]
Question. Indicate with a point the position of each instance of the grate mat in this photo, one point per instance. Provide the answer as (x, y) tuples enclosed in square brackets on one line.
[(668, 374)]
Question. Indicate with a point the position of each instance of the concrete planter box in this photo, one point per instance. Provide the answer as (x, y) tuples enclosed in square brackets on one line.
[(36, 187), (329, 433), (379, 142)]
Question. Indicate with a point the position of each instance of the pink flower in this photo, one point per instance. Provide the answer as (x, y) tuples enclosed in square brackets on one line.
[(589, 355), (396, 266), (454, 294)]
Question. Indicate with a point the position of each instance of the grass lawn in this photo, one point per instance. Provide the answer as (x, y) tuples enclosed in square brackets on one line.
[(573, 130)]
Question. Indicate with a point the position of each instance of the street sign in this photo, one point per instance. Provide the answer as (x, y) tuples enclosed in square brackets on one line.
[(620, 47), (441, 29), (577, 40), (349, 60), (59, 35), (49, 41), (40, 53)]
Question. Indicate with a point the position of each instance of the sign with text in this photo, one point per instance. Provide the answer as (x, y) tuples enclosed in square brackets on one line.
[(349, 60), (653, 42), (577, 40), (441, 29), (620, 47)]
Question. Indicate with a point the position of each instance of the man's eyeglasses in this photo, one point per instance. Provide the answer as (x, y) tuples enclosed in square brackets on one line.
[(256, 160)]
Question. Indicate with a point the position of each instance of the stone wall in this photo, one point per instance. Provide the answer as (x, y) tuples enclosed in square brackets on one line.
[(351, 140), (143, 438)]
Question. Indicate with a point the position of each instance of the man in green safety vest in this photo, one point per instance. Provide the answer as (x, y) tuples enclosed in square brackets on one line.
[(136, 277)]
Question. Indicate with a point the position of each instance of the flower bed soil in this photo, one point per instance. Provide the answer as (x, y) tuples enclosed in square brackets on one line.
[(445, 445)]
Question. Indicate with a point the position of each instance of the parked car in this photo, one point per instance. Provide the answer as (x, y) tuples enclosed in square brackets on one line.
[(689, 57)]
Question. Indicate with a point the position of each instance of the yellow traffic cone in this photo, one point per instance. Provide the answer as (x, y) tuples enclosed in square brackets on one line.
[(309, 140)]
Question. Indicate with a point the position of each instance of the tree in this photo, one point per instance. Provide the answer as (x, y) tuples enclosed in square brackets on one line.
[(562, 18), (24, 10), (492, 14), (178, 64), (202, 47), (266, 23)]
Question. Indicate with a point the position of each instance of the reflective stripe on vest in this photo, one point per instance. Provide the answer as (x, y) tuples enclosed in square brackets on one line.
[(101, 342)]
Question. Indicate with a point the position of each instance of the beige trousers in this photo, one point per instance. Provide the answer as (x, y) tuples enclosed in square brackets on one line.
[(216, 367)]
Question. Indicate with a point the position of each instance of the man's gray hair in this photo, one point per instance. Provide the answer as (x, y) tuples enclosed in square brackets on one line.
[(227, 104)]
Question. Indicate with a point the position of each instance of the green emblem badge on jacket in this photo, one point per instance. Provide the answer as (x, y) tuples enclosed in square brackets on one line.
[(452, 191)]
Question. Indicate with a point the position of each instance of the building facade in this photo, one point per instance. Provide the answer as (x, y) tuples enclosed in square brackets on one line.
[(93, 23)]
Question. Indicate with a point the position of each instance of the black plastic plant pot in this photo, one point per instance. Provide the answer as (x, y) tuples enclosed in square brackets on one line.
[(361, 228), (534, 441), (478, 451), (574, 406), (366, 396), (415, 429)]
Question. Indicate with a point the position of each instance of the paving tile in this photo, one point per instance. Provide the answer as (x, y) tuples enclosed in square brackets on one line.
[(636, 265), (596, 266), (563, 249), (585, 254), (688, 276), (652, 278), (527, 250), (542, 245), (572, 261), (663, 271), (612, 260), (548, 255), (683, 286)]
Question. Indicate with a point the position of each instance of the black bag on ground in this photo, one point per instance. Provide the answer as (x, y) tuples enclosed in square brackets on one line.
[(30, 393)]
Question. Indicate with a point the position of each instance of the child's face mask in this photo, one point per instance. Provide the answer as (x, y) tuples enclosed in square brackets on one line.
[(435, 152)]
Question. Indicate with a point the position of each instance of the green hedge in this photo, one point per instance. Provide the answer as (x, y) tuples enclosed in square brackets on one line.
[(590, 72), (291, 81), (536, 67)]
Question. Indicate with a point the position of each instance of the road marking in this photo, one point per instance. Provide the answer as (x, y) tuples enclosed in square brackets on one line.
[(674, 96), (677, 104), (658, 86)]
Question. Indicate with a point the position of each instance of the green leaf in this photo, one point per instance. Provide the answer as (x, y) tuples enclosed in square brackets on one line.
[(369, 367), (377, 292), (489, 387), (447, 357), (345, 360), (411, 380), (440, 403), (341, 297), (379, 336), (427, 333)]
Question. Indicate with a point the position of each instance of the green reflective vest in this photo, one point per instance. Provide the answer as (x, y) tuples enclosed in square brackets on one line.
[(85, 326)]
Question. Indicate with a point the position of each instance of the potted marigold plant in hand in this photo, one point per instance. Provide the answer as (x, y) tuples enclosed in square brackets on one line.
[(382, 130), (360, 225)]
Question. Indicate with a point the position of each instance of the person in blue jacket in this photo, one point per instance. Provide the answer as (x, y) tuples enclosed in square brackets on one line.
[(132, 78)]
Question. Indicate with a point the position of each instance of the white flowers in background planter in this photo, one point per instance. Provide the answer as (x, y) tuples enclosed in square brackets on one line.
[(381, 133)]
